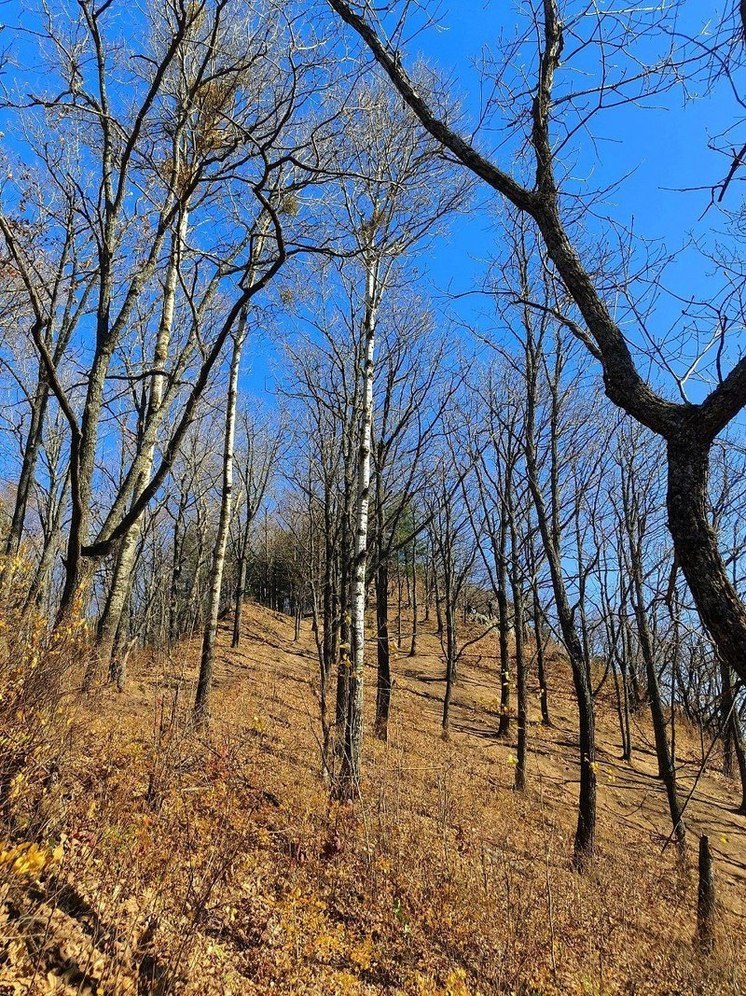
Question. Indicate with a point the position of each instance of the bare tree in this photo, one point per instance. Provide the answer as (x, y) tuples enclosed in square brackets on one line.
[(256, 466), (395, 190), (638, 502), (455, 552), (554, 111), (204, 683), (214, 115)]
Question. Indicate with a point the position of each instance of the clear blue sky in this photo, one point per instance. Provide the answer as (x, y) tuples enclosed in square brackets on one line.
[(663, 147), (666, 147)]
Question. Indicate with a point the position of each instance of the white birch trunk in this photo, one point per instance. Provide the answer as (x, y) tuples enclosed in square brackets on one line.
[(204, 685), (354, 730)]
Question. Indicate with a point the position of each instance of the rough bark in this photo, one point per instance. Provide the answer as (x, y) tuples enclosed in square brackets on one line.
[(722, 612)]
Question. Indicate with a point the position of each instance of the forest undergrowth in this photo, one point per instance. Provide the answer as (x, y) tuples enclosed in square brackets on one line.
[(143, 856)]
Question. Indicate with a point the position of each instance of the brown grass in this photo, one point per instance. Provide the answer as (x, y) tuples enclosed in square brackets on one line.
[(216, 863)]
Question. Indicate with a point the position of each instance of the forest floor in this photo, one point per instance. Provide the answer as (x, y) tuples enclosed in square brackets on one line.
[(214, 862)]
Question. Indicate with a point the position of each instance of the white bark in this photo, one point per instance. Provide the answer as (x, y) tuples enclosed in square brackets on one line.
[(354, 732), (201, 705)]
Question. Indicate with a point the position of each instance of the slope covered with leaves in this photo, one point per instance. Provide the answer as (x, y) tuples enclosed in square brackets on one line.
[(143, 857)]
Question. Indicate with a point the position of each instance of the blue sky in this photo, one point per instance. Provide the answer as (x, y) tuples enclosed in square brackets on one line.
[(665, 147)]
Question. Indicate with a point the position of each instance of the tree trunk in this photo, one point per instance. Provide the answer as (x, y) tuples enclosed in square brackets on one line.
[(705, 898), (344, 661), (586, 826), (666, 766), (520, 661), (111, 617), (413, 646), (28, 465), (502, 610), (350, 773), (727, 709), (426, 584), (450, 633), (624, 670), (383, 698), (204, 684), (721, 611), (238, 604), (740, 750), (438, 605), (539, 637), (398, 603)]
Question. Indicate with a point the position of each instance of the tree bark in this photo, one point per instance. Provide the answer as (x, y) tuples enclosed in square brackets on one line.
[(413, 645), (722, 612), (705, 898), (540, 648), (520, 658), (350, 772), (383, 697), (204, 684), (502, 610)]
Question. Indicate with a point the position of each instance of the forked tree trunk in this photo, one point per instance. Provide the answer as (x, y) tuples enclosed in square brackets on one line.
[(663, 750), (585, 832), (666, 766), (121, 582)]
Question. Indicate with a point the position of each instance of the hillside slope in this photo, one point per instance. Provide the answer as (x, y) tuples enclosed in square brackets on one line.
[(215, 863)]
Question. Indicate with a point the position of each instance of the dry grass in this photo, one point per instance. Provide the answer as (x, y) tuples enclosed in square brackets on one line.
[(217, 864)]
